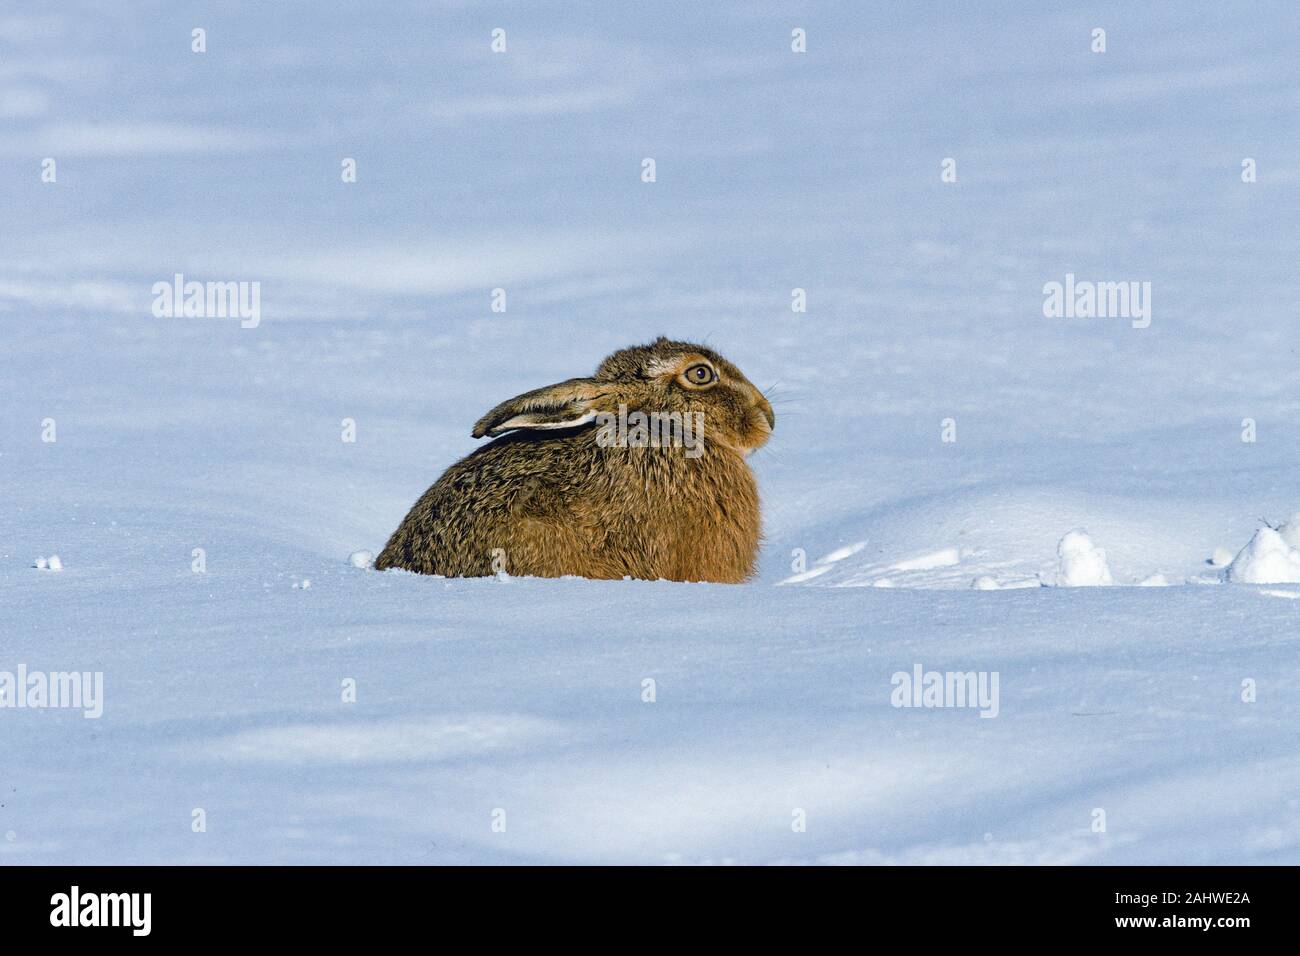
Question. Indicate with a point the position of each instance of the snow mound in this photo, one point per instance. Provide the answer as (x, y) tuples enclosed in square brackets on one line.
[(1083, 564), (52, 563), (1268, 558), (361, 559)]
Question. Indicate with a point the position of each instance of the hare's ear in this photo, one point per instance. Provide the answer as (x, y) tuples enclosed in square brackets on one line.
[(564, 405)]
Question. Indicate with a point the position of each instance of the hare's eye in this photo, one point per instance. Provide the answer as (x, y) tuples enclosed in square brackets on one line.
[(700, 375)]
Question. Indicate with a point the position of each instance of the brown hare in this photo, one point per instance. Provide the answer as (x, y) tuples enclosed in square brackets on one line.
[(638, 471)]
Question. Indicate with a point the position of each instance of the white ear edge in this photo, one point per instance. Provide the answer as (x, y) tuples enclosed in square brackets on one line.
[(524, 422)]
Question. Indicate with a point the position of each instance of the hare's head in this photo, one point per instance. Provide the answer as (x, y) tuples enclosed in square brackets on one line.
[(663, 377)]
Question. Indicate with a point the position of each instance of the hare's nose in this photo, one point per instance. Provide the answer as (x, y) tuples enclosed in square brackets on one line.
[(766, 408)]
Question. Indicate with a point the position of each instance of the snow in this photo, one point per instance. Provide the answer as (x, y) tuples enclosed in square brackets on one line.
[(1083, 564), (944, 558), (1290, 531), (1267, 559), (318, 711), (1221, 558)]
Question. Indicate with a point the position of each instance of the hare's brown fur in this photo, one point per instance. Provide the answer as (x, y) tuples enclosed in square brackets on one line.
[(549, 499)]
